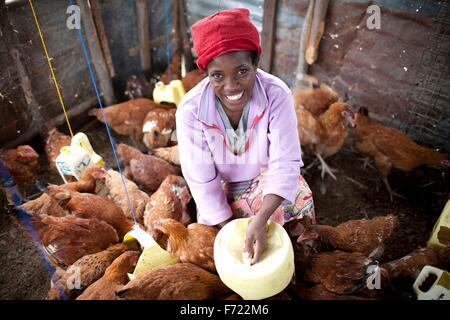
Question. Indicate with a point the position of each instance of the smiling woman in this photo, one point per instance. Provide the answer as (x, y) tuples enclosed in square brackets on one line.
[(237, 115)]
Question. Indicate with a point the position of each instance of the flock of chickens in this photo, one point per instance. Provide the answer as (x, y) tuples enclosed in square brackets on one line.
[(82, 224)]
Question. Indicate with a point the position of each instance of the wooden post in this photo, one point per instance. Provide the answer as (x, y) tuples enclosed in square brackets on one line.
[(268, 33), (98, 20), (302, 66), (184, 31), (143, 33), (317, 29), (96, 55), (176, 27)]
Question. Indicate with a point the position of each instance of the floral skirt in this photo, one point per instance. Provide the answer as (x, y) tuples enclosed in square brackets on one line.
[(245, 199)]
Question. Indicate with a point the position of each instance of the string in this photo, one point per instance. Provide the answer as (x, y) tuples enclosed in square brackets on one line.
[(51, 67), (111, 140)]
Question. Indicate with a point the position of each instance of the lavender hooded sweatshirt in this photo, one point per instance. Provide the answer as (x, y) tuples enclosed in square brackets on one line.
[(273, 146)]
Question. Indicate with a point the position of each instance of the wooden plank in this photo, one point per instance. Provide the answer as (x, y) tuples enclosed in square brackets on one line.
[(185, 41), (317, 29), (96, 55), (100, 27), (268, 33), (176, 44), (143, 33), (302, 66)]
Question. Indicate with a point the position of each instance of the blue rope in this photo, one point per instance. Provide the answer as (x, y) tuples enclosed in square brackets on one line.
[(104, 118)]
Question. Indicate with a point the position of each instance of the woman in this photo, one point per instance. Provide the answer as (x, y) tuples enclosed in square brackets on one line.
[(237, 134)]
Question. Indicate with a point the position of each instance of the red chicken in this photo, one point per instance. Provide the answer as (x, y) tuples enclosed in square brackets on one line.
[(194, 244), (324, 135), (345, 273), (391, 148), (180, 281), (54, 141), (67, 239), (22, 163), (115, 277), (146, 170), (92, 181), (364, 236), (158, 127), (408, 267), (169, 201), (127, 118), (87, 205), (84, 272)]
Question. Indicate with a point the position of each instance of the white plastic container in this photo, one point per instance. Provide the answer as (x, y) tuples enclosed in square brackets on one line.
[(440, 289), (74, 159), (266, 278)]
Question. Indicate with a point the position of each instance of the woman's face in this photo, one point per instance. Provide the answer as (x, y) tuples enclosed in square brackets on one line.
[(232, 76)]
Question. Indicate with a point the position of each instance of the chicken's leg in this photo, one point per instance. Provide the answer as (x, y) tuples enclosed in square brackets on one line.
[(325, 168), (391, 193)]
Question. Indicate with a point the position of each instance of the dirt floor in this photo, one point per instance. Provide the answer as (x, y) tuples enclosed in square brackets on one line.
[(357, 193)]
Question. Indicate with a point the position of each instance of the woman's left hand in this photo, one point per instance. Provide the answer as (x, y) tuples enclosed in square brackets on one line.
[(256, 239)]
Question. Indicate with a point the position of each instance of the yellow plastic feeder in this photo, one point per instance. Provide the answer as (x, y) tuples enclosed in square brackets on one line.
[(152, 256), (266, 278), (172, 93)]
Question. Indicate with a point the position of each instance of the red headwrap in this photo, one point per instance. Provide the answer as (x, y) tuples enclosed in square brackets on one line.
[(222, 32)]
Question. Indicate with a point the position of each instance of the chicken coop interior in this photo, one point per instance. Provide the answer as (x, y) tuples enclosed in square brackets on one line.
[(379, 172)]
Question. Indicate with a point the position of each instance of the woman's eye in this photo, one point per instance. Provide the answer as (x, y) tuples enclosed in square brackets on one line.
[(242, 72), (217, 76)]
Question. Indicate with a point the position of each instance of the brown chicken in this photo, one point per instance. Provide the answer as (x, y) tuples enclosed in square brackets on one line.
[(92, 181), (180, 281), (391, 148), (158, 127), (84, 272), (316, 98), (323, 135), (115, 277), (170, 154), (192, 78), (67, 239), (169, 201), (127, 118), (408, 267), (87, 205), (194, 244), (173, 70), (54, 141), (344, 272), (138, 198), (44, 205), (146, 170), (22, 163), (364, 236), (319, 292)]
